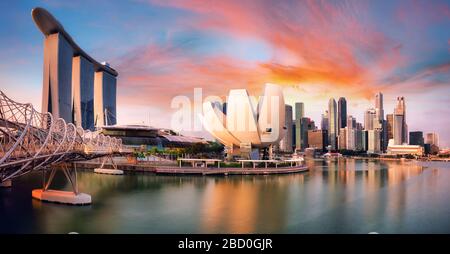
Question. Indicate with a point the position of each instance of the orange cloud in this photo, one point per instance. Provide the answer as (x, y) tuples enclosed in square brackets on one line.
[(323, 37)]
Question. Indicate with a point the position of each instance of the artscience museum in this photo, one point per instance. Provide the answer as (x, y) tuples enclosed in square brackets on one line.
[(247, 127)]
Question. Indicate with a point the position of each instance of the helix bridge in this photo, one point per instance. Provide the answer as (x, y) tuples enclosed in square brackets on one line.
[(35, 141)]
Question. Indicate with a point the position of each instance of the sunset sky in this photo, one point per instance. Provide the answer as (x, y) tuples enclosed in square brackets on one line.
[(314, 49)]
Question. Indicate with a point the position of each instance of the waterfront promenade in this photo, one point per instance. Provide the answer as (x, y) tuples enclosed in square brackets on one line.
[(171, 168), (229, 171)]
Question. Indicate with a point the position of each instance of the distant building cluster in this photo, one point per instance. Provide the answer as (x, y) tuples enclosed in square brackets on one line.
[(340, 132)]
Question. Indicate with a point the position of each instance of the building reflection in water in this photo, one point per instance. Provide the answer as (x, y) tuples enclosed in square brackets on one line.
[(240, 205), (346, 195)]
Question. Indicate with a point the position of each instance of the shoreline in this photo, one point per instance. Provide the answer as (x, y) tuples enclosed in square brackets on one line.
[(175, 170), (172, 168), (386, 159)]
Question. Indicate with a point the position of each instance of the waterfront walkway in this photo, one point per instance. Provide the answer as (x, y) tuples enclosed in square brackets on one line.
[(176, 170), (229, 171)]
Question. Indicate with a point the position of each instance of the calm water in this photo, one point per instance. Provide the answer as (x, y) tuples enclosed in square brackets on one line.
[(339, 197)]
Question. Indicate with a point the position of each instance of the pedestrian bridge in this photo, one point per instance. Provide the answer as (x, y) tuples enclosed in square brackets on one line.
[(31, 141)]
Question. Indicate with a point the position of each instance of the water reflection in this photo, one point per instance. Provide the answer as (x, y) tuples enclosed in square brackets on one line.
[(344, 196)]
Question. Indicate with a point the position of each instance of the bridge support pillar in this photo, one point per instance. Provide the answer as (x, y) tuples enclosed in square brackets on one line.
[(6, 184), (108, 171), (73, 197)]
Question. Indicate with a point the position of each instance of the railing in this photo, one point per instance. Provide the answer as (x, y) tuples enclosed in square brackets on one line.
[(30, 140)]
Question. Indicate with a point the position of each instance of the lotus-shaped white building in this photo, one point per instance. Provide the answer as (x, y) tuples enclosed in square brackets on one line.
[(243, 122)]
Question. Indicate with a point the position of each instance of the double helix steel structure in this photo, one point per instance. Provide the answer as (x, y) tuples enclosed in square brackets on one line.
[(30, 140)]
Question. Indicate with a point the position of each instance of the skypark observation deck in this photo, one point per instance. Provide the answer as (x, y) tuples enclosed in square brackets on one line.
[(48, 25)]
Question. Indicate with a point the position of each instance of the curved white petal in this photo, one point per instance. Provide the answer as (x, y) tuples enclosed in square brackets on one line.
[(271, 118), (212, 121), (260, 125), (241, 117)]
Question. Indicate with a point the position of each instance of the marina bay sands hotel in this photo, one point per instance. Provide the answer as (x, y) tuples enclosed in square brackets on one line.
[(76, 87)]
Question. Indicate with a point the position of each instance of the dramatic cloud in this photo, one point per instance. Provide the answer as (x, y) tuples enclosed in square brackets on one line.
[(316, 49)]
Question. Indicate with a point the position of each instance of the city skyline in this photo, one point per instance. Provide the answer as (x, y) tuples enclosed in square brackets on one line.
[(407, 54), (199, 117)]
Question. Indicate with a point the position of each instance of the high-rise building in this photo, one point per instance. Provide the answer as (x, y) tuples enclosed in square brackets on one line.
[(369, 118), (400, 129), (432, 139), (380, 122), (299, 114), (351, 122), (351, 138), (384, 138), (57, 85), (365, 140), (76, 87), (318, 139), (432, 143), (351, 133), (347, 135), (359, 142), (379, 106), (342, 113), (416, 138), (373, 138), (390, 126), (332, 124), (306, 125), (83, 92), (286, 142), (293, 135), (105, 98), (324, 121), (359, 126), (342, 139)]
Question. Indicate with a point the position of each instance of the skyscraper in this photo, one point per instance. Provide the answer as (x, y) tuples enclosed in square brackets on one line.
[(306, 125), (342, 139), (76, 87), (359, 142), (369, 117), (299, 114), (83, 92), (318, 139), (350, 133), (380, 123), (373, 141), (432, 143), (286, 142), (379, 106), (365, 140), (324, 121), (432, 139), (400, 129), (105, 98), (57, 83), (342, 113), (351, 122), (416, 138), (390, 126), (351, 138), (332, 123)]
